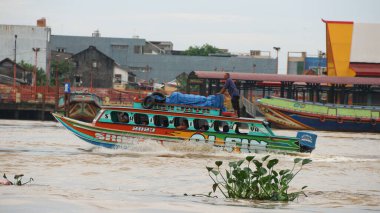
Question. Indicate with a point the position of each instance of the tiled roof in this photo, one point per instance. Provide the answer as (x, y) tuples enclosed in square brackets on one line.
[(288, 78)]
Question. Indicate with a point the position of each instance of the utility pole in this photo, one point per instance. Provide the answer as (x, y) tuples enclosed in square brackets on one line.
[(94, 66), (56, 87), (35, 49), (321, 55), (277, 50), (15, 69)]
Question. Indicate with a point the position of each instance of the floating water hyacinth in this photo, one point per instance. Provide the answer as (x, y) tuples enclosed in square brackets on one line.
[(17, 180), (262, 182)]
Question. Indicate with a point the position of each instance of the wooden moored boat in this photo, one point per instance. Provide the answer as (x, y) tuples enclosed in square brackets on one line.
[(81, 106), (292, 114), (115, 126)]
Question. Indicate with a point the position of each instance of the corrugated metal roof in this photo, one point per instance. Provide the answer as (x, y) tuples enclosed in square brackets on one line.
[(288, 78)]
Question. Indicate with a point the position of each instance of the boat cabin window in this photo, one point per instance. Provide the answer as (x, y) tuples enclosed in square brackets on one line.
[(241, 128), (160, 120), (181, 123), (221, 126), (123, 117), (201, 124), (119, 117), (114, 117), (141, 119)]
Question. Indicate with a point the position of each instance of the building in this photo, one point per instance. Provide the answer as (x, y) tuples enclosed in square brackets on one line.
[(149, 60), (7, 72), (92, 68), (158, 61), (299, 63), (122, 78), (352, 49), (25, 38)]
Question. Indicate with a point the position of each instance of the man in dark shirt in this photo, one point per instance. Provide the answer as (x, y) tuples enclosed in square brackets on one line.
[(233, 91)]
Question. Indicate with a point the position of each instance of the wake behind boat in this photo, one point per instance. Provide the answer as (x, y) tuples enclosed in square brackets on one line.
[(159, 119)]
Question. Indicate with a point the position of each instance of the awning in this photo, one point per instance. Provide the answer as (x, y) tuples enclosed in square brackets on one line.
[(366, 69), (287, 78)]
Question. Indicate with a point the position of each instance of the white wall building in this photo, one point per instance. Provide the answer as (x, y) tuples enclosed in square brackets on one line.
[(28, 37), (120, 77)]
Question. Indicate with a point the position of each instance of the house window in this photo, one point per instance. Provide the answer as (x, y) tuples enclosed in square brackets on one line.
[(119, 46), (94, 64), (78, 80), (75, 64), (61, 50), (118, 78), (131, 78), (137, 49)]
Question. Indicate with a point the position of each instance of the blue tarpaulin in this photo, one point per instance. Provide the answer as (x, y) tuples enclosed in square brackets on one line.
[(216, 101)]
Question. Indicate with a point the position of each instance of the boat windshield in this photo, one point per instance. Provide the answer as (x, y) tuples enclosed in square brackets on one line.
[(241, 128)]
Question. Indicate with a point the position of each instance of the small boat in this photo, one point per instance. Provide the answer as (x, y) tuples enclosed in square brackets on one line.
[(292, 114), (81, 106), (114, 127)]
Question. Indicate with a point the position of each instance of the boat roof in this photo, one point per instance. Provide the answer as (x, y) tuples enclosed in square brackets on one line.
[(287, 78), (183, 114)]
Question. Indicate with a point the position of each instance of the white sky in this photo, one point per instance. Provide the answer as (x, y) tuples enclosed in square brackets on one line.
[(237, 25)]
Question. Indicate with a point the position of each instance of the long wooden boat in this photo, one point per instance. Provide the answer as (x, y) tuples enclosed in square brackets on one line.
[(81, 106), (292, 114), (172, 123)]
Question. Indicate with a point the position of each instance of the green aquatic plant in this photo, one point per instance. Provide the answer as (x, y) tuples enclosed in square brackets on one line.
[(17, 180), (258, 182)]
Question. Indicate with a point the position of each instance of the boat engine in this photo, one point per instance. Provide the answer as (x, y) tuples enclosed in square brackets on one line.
[(307, 141)]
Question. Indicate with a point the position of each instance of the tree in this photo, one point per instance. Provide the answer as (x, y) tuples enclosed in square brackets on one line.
[(181, 80), (204, 50), (64, 69), (41, 75)]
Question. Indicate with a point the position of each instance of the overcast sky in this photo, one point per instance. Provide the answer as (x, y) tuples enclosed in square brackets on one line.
[(237, 25)]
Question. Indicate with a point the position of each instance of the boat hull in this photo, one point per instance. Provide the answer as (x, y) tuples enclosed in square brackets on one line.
[(292, 117), (115, 136)]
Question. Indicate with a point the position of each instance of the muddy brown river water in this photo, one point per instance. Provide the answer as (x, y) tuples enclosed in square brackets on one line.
[(73, 176)]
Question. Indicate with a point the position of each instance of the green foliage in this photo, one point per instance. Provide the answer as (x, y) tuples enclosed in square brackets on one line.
[(262, 182), (182, 82), (204, 50), (18, 180), (41, 75), (64, 69)]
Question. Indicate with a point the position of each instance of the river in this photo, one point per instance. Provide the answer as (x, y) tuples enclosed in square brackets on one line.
[(73, 176)]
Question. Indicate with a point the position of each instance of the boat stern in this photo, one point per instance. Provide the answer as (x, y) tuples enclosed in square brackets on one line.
[(307, 141)]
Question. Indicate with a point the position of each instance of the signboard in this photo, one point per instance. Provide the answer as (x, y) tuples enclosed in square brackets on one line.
[(67, 87)]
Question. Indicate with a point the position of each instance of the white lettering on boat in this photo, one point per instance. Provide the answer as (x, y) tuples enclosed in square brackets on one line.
[(231, 142), (111, 138), (306, 138), (143, 129)]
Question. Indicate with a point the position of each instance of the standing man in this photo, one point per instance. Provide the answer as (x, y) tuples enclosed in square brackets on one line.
[(233, 91)]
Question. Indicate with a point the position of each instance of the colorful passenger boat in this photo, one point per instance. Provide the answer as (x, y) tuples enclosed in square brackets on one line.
[(174, 123), (292, 114)]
